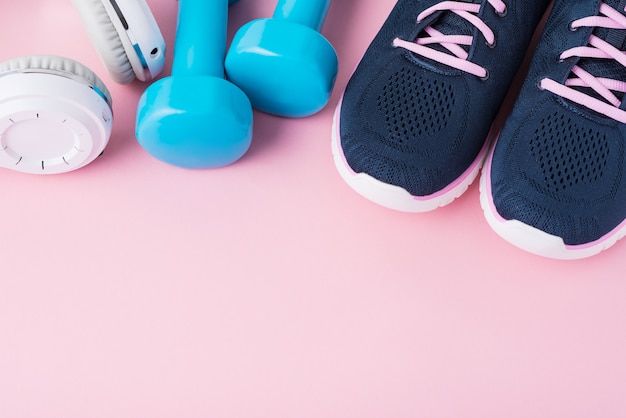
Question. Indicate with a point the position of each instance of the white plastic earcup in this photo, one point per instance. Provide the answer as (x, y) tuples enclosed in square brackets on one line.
[(126, 36), (55, 115)]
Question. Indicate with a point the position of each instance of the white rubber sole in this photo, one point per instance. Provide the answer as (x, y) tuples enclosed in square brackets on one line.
[(395, 197), (534, 240)]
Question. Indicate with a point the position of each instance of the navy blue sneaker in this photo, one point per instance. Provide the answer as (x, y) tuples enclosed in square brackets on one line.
[(555, 184), (411, 130)]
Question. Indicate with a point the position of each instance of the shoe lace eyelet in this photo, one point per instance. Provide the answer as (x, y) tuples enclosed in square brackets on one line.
[(571, 27), (502, 13), (539, 86), (486, 76), (491, 45)]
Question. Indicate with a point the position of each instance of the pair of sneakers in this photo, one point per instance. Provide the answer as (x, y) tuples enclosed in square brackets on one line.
[(414, 126)]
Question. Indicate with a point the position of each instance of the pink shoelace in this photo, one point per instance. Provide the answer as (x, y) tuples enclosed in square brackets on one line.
[(597, 48), (458, 57)]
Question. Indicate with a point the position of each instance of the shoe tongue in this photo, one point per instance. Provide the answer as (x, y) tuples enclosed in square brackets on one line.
[(615, 37), (609, 68), (450, 23)]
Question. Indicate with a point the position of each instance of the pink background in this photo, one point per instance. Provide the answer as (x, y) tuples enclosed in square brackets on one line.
[(268, 288)]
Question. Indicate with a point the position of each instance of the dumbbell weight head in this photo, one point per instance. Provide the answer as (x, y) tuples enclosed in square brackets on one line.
[(195, 118), (195, 122), (285, 68)]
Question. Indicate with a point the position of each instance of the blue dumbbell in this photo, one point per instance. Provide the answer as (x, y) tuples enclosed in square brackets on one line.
[(283, 63), (195, 118)]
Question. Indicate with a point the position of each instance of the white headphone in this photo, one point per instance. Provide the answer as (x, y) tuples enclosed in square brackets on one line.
[(56, 114)]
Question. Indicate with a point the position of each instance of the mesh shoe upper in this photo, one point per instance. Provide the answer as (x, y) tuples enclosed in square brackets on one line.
[(559, 165), (417, 123)]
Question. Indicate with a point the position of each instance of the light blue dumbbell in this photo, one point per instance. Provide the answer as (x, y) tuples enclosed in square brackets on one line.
[(283, 63), (195, 118)]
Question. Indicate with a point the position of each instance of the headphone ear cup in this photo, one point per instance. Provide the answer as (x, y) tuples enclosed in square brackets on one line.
[(55, 114), (126, 36), (106, 39)]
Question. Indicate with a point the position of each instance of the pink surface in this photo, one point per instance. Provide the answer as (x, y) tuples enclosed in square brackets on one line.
[(268, 288)]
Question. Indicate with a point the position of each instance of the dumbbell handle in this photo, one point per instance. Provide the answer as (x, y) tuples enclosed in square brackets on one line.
[(309, 13), (200, 38)]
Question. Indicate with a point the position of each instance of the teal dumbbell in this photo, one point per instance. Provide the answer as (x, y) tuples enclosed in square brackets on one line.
[(195, 118), (284, 64)]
